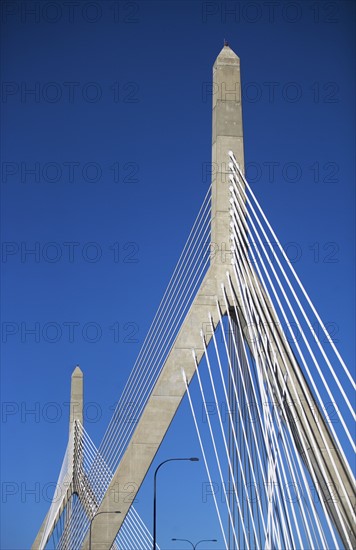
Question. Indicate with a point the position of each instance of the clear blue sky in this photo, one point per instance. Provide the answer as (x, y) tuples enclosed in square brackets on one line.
[(118, 131)]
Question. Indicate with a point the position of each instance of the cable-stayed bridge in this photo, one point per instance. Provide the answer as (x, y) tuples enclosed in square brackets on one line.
[(236, 317)]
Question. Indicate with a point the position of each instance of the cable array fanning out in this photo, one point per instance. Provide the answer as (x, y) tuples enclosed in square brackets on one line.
[(280, 392), (189, 272), (276, 496), (72, 516)]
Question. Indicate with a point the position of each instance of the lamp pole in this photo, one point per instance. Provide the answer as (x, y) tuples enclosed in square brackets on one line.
[(194, 546), (98, 514), (192, 459)]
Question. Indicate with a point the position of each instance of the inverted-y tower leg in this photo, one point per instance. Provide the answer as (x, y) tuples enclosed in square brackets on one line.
[(169, 389)]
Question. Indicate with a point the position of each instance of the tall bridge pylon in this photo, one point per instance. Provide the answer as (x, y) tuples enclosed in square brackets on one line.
[(236, 295), (72, 479)]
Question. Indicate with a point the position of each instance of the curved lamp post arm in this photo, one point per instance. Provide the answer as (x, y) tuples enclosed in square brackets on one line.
[(194, 546), (205, 540), (192, 459)]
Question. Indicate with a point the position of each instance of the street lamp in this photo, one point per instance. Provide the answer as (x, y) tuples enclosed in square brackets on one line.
[(199, 541), (94, 516), (193, 459)]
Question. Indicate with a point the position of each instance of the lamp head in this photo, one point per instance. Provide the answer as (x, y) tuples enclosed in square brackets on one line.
[(194, 459)]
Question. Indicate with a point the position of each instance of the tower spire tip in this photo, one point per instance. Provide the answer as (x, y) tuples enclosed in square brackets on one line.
[(77, 371)]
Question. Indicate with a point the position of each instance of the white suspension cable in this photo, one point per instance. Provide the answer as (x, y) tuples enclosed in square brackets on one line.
[(170, 289), (306, 318), (162, 350), (261, 278), (214, 444), (292, 268), (304, 363), (253, 338), (203, 454), (306, 454)]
